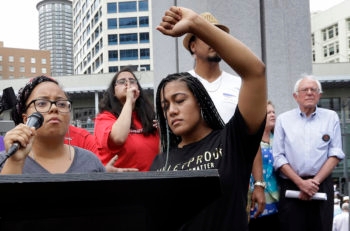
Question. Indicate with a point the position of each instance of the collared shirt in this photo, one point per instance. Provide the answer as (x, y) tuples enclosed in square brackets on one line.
[(306, 142)]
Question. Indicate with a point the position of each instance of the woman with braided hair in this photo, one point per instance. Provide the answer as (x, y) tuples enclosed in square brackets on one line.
[(43, 150), (193, 136)]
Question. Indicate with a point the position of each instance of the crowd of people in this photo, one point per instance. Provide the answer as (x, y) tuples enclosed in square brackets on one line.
[(222, 121)]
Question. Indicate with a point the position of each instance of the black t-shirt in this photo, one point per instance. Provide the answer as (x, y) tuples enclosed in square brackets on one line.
[(230, 150)]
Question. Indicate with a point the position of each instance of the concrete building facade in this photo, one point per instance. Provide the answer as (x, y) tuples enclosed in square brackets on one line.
[(330, 34), (23, 63)]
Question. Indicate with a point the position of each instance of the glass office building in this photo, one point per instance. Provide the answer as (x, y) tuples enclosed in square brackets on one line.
[(109, 35)]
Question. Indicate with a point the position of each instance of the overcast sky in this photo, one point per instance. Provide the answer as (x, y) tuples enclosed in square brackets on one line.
[(19, 21)]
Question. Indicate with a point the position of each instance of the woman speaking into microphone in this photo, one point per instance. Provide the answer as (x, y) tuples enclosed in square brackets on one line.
[(42, 150)]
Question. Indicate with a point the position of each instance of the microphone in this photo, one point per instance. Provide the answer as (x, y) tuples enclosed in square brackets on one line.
[(34, 120)]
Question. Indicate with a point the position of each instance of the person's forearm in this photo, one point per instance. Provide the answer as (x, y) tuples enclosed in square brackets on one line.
[(12, 167), (121, 127), (326, 169)]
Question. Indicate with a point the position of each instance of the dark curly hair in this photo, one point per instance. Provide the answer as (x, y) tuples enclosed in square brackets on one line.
[(143, 107), (207, 107), (23, 95)]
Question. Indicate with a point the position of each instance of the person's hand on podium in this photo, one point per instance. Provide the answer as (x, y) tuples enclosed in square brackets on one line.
[(111, 168)]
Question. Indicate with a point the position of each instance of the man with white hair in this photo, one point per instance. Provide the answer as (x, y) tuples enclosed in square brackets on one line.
[(341, 221), (307, 146)]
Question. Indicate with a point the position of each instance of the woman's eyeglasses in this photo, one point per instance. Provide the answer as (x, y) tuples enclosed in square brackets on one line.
[(44, 105), (124, 81)]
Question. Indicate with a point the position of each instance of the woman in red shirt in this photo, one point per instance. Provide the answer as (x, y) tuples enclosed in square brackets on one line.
[(125, 124)]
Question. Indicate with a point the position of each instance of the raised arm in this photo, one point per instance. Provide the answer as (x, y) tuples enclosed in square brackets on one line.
[(253, 94)]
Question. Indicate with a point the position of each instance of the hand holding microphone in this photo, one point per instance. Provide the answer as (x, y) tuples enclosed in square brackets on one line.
[(34, 120)]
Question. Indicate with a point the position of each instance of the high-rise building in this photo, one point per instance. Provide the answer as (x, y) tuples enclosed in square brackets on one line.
[(330, 34), (111, 34), (22, 63), (56, 34)]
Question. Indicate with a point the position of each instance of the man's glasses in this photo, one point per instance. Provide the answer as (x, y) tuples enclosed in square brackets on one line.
[(44, 105), (124, 81), (306, 90)]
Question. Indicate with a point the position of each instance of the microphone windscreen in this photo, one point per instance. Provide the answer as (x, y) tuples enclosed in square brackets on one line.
[(35, 120)]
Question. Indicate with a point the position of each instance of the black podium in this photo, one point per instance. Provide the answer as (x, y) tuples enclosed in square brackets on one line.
[(142, 201)]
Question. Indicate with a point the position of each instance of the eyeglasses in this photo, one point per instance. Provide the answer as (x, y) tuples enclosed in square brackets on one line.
[(124, 81), (306, 90), (44, 105)]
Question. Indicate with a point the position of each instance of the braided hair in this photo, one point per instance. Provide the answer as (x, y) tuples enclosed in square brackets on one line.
[(143, 107), (207, 107), (23, 95)]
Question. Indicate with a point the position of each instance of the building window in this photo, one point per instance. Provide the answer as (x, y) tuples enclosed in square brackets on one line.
[(21, 59), (131, 67), (82, 115), (0, 57), (128, 38), (144, 53), (112, 69), (330, 32), (11, 58), (127, 6), (313, 56), (22, 69), (313, 40), (128, 22), (111, 7), (112, 23), (113, 55), (147, 67), (144, 37), (43, 70), (143, 21), (11, 69), (43, 61), (112, 39), (33, 70), (131, 54), (143, 5), (32, 60), (346, 107), (331, 49), (330, 103)]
